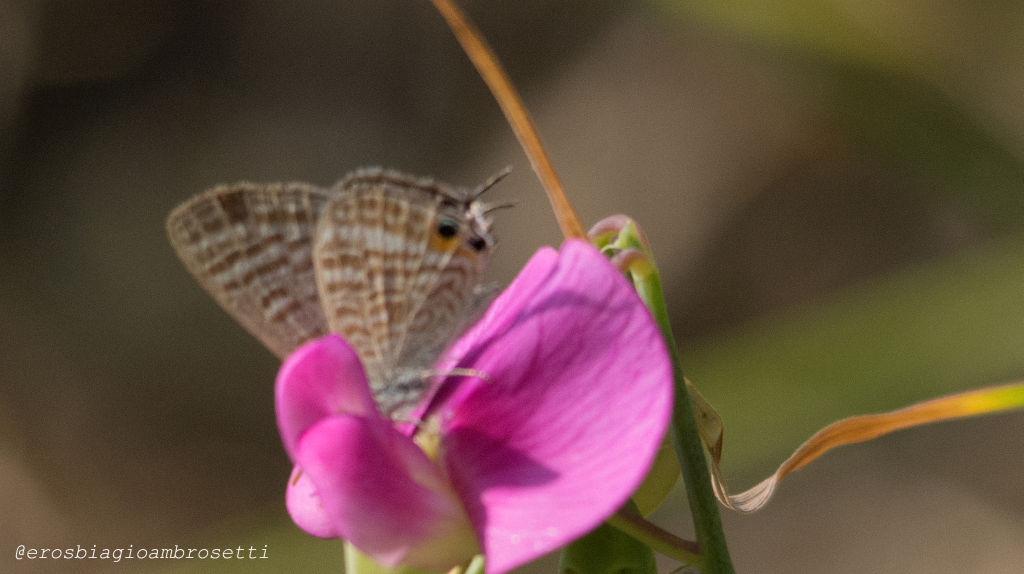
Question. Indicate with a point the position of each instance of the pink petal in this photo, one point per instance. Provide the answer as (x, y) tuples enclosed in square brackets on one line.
[(305, 507), (380, 492), (321, 378), (576, 400)]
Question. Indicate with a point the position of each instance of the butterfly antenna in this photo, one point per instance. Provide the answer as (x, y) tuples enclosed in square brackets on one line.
[(491, 182), (495, 207)]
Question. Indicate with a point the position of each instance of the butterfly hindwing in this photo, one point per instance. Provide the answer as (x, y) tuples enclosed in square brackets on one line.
[(392, 268)]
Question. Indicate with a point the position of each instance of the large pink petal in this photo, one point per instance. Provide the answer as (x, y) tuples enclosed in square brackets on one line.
[(499, 316), (575, 402), (380, 492), (501, 313), (321, 378)]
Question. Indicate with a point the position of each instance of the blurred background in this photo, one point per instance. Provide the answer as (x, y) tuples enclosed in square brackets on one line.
[(834, 192)]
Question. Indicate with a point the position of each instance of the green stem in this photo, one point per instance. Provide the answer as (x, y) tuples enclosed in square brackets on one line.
[(706, 520), (657, 539)]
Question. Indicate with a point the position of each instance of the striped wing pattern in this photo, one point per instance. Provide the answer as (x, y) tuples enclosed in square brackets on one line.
[(250, 246), (369, 259), (455, 297)]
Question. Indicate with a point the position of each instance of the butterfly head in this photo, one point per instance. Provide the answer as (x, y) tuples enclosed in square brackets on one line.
[(465, 224), (465, 218)]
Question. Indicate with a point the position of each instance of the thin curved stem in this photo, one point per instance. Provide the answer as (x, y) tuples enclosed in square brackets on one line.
[(657, 538), (497, 80)]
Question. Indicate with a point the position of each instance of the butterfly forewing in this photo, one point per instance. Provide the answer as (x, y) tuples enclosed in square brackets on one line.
[(250, 246)]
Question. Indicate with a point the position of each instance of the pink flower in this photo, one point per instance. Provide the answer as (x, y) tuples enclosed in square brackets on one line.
[(560, 428)]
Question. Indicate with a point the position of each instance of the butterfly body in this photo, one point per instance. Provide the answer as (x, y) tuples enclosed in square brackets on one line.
[(389, 261)]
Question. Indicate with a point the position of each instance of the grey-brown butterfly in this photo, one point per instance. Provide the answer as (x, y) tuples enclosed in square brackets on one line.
[(389, 261)]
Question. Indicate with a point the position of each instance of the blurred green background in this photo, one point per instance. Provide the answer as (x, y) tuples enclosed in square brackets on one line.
[(834, 191)]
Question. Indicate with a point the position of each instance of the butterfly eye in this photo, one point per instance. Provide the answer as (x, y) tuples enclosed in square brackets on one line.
[(447, 228), (477, 243)]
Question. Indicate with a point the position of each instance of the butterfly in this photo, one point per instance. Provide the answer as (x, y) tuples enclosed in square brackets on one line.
[(389, 261)]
